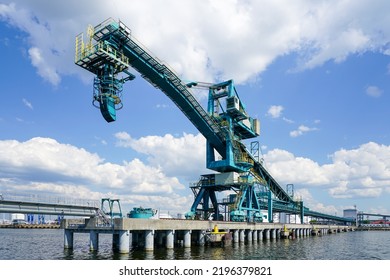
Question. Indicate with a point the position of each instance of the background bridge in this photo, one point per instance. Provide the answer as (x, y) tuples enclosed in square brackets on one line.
[(105, 210), (23, 207)]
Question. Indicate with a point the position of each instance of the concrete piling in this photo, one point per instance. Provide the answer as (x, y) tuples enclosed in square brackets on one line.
[(187, 239), (170, 239), (149, 240), (124, 241), (68, 239), (93, 240)]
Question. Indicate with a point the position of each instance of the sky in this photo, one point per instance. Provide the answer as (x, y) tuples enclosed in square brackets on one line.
[(315, 73)]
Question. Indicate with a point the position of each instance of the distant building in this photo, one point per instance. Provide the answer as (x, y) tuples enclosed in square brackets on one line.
[(350, 213), (18, 219)]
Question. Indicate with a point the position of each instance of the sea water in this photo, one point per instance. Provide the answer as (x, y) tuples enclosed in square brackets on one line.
[(48, 244)]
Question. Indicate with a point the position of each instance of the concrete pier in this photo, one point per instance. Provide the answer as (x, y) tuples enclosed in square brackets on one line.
[(273, 233), (187, 239), (242, 235), (267, 234), (170, 239), (149, 233), (255, 235), (249, 235), (236, 236), (149, 240), (93, 240), (124, 241), (202, 237), (68, 239), (260, 235)]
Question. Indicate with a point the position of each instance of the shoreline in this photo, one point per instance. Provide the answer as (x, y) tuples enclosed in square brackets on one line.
[(32, 226)]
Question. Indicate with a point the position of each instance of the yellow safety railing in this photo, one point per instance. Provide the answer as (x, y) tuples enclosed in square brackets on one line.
[(79, 47)]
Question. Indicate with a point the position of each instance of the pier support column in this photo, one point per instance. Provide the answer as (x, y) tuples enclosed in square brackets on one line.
[(236, 236), (202, 238), (267, 234), (187, 239), (149, 240), (170, 239), (93, 240), (255, 235), (260, 235), (242, 235), (68, 239), (124, 241), (277, 233), (250, 236), (273, 233)]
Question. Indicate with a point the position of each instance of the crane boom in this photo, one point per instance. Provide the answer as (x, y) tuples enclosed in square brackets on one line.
[(151, 69), (112, 50)]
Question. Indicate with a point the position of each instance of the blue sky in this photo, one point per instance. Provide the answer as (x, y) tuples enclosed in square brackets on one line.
[(315, 73)]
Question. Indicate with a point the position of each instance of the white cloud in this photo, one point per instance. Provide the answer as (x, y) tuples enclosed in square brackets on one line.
[(27, 103), (275, 111), (176, 156), (309, 201), (101, 141), (374, 91), (43, 164), (360, 172), (208, 40), (45, 70), (301, 130), (288, 120), (162, 106), (298, 170)]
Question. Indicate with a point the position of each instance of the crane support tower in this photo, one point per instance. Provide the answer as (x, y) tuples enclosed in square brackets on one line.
[(110, 50)]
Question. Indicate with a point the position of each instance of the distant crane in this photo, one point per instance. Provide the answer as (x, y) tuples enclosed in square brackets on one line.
[(110, 50)]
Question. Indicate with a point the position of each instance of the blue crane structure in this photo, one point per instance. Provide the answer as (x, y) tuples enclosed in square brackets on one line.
[(110, 50)]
